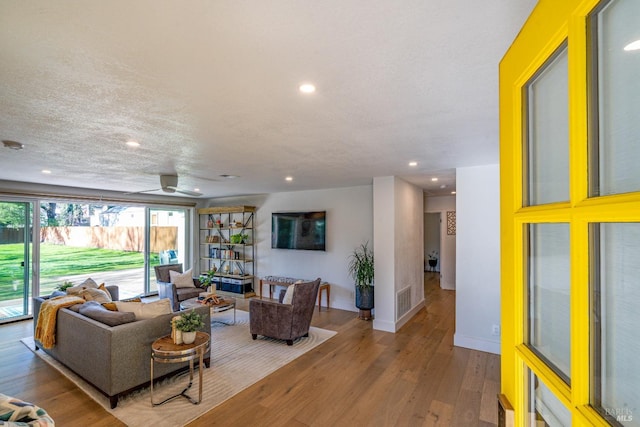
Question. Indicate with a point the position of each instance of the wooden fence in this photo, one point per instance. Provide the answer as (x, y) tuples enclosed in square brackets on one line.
[(118, 238), (11, 235)]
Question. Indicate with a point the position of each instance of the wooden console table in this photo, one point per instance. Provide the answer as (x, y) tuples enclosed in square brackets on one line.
[(286, 281), (327, 288)]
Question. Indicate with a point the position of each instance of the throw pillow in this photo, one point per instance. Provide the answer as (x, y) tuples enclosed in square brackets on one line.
[(182, 280), (146, 310), (96, 295), (75, 290), (102, 315), (87, 284), (112, 305), (76, 307), (288, 295), (102, 287)]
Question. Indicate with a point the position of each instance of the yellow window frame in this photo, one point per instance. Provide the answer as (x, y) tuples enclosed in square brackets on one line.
[(551, 23)]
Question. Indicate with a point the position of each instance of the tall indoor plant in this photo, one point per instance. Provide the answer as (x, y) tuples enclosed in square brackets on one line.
[(362, 271)]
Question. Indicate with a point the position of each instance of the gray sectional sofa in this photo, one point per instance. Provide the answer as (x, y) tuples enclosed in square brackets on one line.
[(114, 359)]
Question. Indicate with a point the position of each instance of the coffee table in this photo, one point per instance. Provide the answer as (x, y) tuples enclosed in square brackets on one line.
[(227, 304)]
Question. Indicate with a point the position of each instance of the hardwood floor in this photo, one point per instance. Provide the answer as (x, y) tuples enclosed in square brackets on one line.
[(360, 377)]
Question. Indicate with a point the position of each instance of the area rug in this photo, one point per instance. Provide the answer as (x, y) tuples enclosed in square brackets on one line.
[(237, 362)]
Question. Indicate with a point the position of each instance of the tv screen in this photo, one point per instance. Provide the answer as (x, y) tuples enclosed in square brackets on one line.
[(298, 230)]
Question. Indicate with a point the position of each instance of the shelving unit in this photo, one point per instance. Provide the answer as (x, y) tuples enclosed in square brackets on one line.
[(232, 258)]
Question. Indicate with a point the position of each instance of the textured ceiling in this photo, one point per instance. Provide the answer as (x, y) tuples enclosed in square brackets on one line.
[(210, 88)]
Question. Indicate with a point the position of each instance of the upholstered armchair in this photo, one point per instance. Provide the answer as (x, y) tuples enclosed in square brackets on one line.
[(166, 289), (284, 321)]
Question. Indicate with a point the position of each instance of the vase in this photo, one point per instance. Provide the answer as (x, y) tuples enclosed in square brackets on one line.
[(364, 301), (188, 337)]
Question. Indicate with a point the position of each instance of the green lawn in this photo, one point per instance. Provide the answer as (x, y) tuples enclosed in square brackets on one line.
[(59, 261)]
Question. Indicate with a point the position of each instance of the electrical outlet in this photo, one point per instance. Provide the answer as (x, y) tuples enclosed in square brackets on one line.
[(495, 330)]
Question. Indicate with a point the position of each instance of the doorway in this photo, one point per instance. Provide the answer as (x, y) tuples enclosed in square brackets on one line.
[(432, 242)]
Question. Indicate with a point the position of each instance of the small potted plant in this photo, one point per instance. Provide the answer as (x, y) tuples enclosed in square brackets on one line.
[(433, 260), (188, 323), (238, 238), (63, 287), (361, 269), (206, 280)]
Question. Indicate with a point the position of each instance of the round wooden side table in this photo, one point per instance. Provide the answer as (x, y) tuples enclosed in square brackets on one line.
[(163, 350)]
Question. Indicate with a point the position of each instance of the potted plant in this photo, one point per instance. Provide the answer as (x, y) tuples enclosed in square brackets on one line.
[(433, 260), (63, 287), (188, 323), (362, 271), (238, 238), (206, 279)]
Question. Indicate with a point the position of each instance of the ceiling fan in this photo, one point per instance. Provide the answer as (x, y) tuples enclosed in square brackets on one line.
[(169, 184)]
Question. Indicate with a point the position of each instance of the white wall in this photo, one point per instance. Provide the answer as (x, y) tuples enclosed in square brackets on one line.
[(349, 223), (398, 249), (409, 238), (478, 258), (447, 259), (383, 251)]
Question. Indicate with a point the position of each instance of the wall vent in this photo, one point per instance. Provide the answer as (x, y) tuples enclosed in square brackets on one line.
[(403, 302)]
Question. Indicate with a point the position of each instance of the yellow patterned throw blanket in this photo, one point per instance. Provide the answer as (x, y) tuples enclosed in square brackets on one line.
[(46, 326)]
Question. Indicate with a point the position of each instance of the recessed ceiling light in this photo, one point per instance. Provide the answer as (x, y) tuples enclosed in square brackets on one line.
[(289, 178), (14, 145), (434, 179), (307, 88), (443, 186), (46, 171), (633, 46), (453, 192), (196, 189), (133, 143), (413, 164)]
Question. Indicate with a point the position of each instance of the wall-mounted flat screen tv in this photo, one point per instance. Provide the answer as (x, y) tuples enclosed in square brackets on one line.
[(298, 230)]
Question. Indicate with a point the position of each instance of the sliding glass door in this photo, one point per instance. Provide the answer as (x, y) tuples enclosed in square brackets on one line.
[(82, 240), (167, 239), (110, 243), (15, 259), (71, 241)]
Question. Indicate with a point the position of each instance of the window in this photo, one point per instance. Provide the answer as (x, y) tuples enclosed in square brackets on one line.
[(544, 407), (548, 295), (547, 132), (615, 67), (615, 318)]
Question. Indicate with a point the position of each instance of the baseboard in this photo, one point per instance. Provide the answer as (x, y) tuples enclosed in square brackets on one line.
[(384, 325), (445, 284), (409, 314), (479, 344)]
